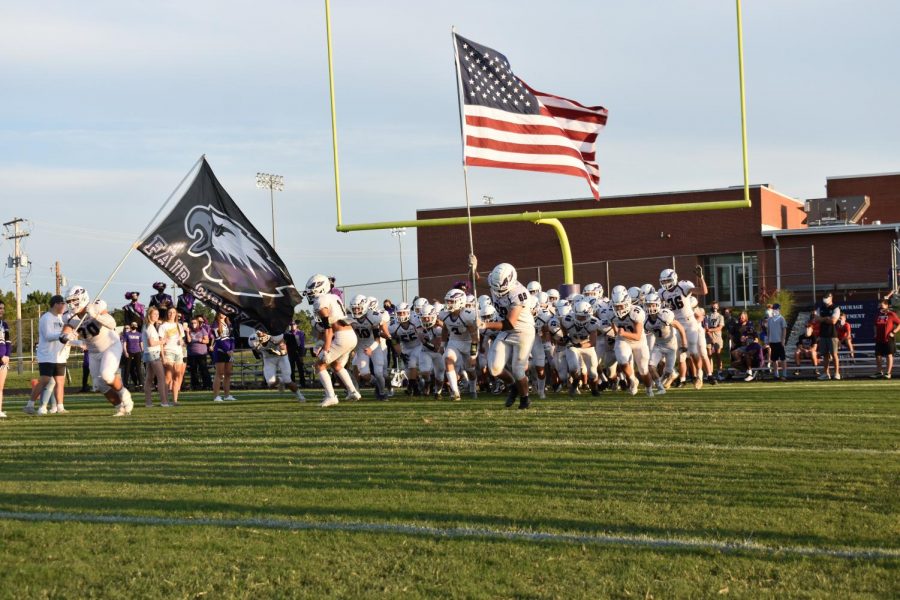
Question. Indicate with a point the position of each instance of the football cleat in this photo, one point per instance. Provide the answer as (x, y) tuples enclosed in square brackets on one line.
[(332, 401)]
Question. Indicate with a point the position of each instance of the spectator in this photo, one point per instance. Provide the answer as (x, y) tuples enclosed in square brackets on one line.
[(845, 335), (134, 351), (51, 356), (807, 347), (161, 299), (828, 343), (5, 353), (713, 324), (197, 351), (740, 333), (750, 357), (223, 350), (887, 324), (185, 305), (133, 312), (171, 333), (777, 329), (826, 305), (152, 356), (334, 290), (295, 340)]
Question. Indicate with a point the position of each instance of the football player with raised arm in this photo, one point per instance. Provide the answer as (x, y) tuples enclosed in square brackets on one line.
[(676, 296)]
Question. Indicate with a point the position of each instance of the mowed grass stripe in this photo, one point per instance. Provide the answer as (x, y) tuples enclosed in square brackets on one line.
[(465, 532)]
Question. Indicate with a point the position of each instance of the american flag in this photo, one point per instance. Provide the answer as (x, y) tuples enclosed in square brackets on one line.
[(510, 125)]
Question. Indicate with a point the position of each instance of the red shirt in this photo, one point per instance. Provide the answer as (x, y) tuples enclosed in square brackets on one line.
[(843, 331), (885, 323)]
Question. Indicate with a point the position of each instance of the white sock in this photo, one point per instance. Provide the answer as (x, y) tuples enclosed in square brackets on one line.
[(325, 379), (47, 393), (541, 386), (345, 378), (454, 384)]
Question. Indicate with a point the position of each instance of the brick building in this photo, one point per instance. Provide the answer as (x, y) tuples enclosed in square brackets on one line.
[(747, 252)]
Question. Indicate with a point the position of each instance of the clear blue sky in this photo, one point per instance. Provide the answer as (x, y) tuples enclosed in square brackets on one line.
[(105, 105)]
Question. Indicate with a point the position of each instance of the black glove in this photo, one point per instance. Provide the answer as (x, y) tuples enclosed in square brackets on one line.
[(64, 338), (683, 349)]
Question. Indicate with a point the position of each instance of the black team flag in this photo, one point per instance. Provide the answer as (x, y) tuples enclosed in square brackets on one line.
[(207, 245)]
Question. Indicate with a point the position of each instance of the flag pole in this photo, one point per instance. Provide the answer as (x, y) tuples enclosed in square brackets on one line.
[(462, 134), (149, 225)]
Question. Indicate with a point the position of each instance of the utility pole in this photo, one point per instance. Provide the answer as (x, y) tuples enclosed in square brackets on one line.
[(58, 279), (17, 261)]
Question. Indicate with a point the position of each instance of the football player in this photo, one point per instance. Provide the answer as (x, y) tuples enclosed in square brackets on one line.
[(534, 288), (366, 345), (432, 365), (661, 324), (677, 296), (338, 339), (606, 348), (276, 365), (97, 327), (581, 329), (516, 336), (542, 349), (407, 344), (460, 336), (558, 342), (628, 324)]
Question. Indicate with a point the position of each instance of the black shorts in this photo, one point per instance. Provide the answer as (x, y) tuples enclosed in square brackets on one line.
[(221, 357), (52, 369), (777, 351), (885, 348)]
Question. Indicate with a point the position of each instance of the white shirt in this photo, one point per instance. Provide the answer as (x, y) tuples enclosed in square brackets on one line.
[(50, 349), (518, 296)]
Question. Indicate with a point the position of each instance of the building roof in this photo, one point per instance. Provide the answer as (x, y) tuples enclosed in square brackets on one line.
[(862, 175), (826, 229)]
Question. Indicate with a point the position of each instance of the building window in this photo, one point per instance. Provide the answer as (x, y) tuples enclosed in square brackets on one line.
[(732, 279)]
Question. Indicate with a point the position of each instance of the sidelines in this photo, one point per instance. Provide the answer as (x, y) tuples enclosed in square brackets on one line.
[(638, 541), (19, 444)]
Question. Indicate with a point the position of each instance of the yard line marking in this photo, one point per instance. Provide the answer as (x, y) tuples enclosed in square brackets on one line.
[(638, 541), (449, 442)]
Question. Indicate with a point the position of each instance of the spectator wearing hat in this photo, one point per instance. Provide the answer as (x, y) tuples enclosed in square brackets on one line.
[(161, 299), (185, 305), (777, 331), (887, 324), (133, 353), (134, 311)]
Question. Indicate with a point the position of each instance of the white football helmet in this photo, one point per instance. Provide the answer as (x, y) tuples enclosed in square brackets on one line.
[(438, 308), (553, 295), (484, 300), (471, 302), (563, 308), (621, 302), (636, 295), (534, 288), (647, 289), (316, 286), (591, 290), (373, 302), (429, 317), (419, 304), (575, 299), (488, 313), (618, 288), (502, 278), (77, 299), (359, 306), (668, 279), (454, 300), (582, 311), (403, 313), (543, 300), (652, 303)]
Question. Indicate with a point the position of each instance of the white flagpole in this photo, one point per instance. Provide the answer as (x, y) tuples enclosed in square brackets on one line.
[(462, 133)]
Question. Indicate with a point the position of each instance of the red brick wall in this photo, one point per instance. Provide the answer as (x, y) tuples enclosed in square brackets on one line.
[(883, 192), (443, 250), (780, 212)]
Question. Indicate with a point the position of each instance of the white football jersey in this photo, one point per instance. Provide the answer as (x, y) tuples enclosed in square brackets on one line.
[(406, 334), (578, 331), (337, 314), (542, 320), (679, 301), (630, 321), (363, 330), (431, 337), (557, 332), (518, 296), (457, 325), (97, 335), (661, 328), (272, 346)]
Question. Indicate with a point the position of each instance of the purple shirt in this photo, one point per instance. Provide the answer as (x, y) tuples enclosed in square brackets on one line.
[(132, 341), (301, 340), (755, 351), (196, 347), (5, 342)]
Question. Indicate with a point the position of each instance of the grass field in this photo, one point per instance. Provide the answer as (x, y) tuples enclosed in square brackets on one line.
[(757, 490)]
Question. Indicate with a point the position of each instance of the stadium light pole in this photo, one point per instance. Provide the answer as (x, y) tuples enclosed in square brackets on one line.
[(399, 232), (274, 183)]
